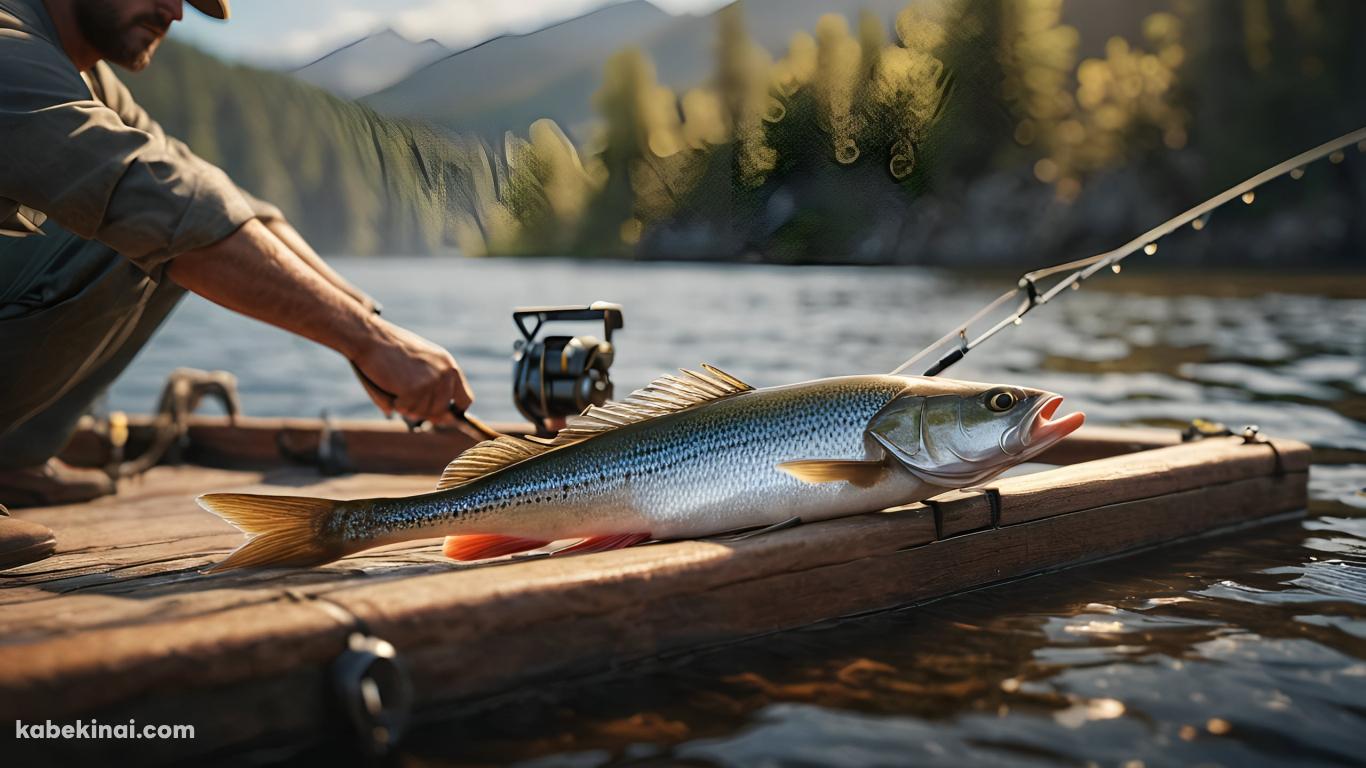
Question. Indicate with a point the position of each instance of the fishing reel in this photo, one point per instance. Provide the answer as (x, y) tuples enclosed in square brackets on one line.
[(560, 376)]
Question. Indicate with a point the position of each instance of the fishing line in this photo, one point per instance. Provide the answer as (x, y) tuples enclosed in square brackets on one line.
[(1082, 269)]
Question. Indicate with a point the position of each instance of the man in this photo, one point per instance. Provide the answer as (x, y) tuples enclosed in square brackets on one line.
[(107, 221)]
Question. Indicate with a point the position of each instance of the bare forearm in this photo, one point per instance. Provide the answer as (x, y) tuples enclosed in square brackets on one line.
[(252, 272), (296, 243), (256, 274)]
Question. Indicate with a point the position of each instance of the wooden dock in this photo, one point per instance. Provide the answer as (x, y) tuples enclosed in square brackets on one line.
[(121, 624)]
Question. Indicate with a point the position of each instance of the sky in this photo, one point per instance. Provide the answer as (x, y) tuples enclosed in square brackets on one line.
[(285, 33)]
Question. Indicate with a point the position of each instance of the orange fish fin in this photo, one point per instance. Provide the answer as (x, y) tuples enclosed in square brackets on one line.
[(604, 543), (480, 546)]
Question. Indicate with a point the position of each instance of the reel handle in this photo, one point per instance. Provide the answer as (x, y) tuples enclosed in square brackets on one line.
[(606, 311)]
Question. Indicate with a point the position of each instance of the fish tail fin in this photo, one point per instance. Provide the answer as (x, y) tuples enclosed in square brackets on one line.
[(284, 530)]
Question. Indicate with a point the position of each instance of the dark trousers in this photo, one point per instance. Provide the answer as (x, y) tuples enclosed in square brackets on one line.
[(73, 314)]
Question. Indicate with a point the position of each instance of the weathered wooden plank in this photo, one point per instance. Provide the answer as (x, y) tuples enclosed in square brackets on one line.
[(136, 558), (74, 673), (124, 639), (1123, 475), (958, 512), (520, 633), (371, 445), (548, 585), (1101, 442), (264, 713), (150, 515), (1145, 474), (522, 629)]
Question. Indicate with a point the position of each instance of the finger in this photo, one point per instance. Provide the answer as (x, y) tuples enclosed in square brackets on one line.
[(408, 411), (427, 398), (422, 409), (461, 394), (446, 407), (381, 399), (414, 407), (382, 403), (446, 419), (434, 399), (452, 390)]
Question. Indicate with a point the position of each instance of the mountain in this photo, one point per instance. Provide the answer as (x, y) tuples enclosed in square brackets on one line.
[(370, 64), (511, 81), (507, 76)]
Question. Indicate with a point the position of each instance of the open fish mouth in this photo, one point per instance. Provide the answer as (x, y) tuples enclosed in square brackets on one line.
[(1046, 430)]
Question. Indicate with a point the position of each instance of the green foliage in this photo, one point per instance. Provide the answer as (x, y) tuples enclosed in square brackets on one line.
[(836, 123), (1087, 117), (546, 192), (816, 154), (350, 180)]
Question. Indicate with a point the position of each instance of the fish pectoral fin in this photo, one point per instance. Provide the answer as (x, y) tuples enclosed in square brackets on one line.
[(481, 546), (604, 543), (860, 473)]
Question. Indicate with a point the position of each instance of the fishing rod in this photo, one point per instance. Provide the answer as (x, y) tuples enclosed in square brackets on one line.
[(1031, 296)]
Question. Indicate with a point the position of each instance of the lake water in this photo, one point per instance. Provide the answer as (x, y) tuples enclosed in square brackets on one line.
[(1241, 650)]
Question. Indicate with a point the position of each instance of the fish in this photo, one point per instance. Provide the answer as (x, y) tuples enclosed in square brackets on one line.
[(691, 455)]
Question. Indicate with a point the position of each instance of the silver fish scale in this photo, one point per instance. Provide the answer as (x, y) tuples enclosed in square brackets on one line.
[(708, 469)]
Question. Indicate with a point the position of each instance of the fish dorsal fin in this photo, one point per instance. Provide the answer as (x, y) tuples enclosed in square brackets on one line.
[(666, 394), (488, 456)]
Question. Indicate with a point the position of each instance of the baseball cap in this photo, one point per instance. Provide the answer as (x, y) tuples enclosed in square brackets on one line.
[(215, 8)]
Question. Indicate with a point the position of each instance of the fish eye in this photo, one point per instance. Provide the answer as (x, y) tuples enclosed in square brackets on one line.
[(1001, 400)]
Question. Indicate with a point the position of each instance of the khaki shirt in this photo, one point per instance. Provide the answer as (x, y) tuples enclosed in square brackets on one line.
[(76, 147)]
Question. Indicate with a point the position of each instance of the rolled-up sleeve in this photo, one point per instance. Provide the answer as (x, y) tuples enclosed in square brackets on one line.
[(263, 210), (72, 157), (114, 93)]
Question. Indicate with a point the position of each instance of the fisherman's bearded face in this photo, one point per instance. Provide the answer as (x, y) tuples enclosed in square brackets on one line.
[(125, 32)]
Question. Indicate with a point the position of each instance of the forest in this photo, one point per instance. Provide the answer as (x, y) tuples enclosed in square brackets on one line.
[(962, 132)]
